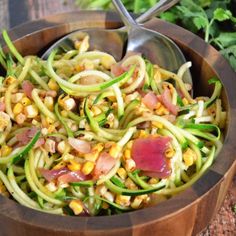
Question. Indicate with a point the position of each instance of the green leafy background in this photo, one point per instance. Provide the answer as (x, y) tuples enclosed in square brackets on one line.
[(213, 20)]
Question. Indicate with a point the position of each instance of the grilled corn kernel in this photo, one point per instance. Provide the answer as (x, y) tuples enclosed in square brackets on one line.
[(20, 118), (88, 167), (74, 166), (170, 152), (92, 156), (115, 150), (49, 102), (51, 186), (4, 120), (136, 203), (17, 97), (6, 150), (64, 113), (62, 146), (31, 111), (51, 128), (25, 101), (18, 108), (52, 84), (122, 173), (130, 184), (10, 80), (130, 165), (67, 157), (189, 157), (68, 103), (96, 111), (3, 190), (60, 165), (157, 124), (142, 134), (109, 196), (185, 101), (107, 61), (129, 144), (101, 190), (76, 206), (127, 154), (49, 120), (105, 205), (123, 200), (153, 181), (87, 64)]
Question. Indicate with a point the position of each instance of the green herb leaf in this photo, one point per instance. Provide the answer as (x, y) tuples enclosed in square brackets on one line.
[(221, 15)]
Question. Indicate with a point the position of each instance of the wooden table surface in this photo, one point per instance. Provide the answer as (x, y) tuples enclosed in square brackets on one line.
[(15, 12)]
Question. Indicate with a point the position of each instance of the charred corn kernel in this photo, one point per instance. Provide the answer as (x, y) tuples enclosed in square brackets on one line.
[(96, 111), (157, 124), (3, 190), (153, 181), (52, 84), (79, 68), (31, 111), (76, 206), (130, 184), (122, 173), (109, 196), (136, 203), (130, 165), (129, 144), (51, 186), (68, 103), (115, 150), (127, 154), (67, 157), (105, 205), (74, 166), (49, 120), (142, 134), (61, 146), (60, 165), (92, 156), (98, 147), (64, 113), (185, 101), (170, 152), (10, 80), (158, 105), (17, 109), (49, 102), (101, 190), (25, 101), (44, 131), (51, 128), (20, 118), (123, 200), (189, 157), (88, 167), (17, 97), (77, 44), (4, 120), (107, 61), (162, 111), (6, 150)]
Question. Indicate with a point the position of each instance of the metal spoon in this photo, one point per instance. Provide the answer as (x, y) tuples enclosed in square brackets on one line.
[(113, 41), (154, 46)]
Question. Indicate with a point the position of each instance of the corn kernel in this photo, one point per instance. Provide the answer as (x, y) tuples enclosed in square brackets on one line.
[(6, 150), (20, 118), (88, 167), (61, 147), (52, 84), (51, 186), (153, 181), (109, 196), (4, 120), (127, 154), (130, 184), (123, 200), (50, 146), (158, 105), (107, 61), (51, 128), (17, 109), (129, 144), (49, 120), (96, 111), (136, 203), (98, 147), (130, 165), (189, 157), (17, 97), (25, 101), (31, 111), (67, 157), (105, 205), (64, 113), (101, 190), (87, 64), (68, 103), (92, 156), (74, 166), (49, 102), (122, 173), (157, 124), (60, 165), (115, 150), (185, 101), (10, 80), (76, 206), (142, 134), (170, 152)]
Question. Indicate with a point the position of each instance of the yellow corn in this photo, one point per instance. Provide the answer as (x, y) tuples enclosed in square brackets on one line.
[(48, 101), (142, 134), (17, 109), (136, 203), (96, 111), (185, 101), (123, 200), (52, 84), (105, 205), (6, 150), (130, 184), (20, 118), (130, 165), (157, 124), (122, 173), (76, 206), (127, 154), (189, 157), (74, 166), (4, 120), (31, 111), (25, 101), (162, 111), (88, 167), (92, 156), (49, 120), (64, 113), (10, 80), (51, 128), (158, 105), (153, 181), (129, 144), (115, 150), (59, 165), (98, 147), (67, 157), (77, 44), (67, 103), (170, 152), (107, 61), (62, 146), (17, 97)]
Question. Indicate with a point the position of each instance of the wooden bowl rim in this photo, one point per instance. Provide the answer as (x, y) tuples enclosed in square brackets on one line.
[(17, 212)]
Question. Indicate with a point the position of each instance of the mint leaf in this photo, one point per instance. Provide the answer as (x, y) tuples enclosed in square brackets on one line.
[(221, 15)]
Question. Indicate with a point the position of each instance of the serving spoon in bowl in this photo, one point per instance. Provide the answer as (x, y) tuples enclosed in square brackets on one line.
[(154, 46)]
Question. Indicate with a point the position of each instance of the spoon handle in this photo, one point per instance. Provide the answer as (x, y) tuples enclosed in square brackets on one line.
[(158, 8), (124, 14)]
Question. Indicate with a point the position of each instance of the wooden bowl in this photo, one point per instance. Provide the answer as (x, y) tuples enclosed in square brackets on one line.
[(185, 214)]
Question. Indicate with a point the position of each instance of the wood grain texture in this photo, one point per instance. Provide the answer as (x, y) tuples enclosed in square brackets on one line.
[(185, 214)]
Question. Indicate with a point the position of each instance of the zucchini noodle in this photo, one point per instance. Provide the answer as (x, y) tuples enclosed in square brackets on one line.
[(82, 134)]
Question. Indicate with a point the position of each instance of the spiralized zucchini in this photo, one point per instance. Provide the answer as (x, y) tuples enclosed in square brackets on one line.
[(82, 134)]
